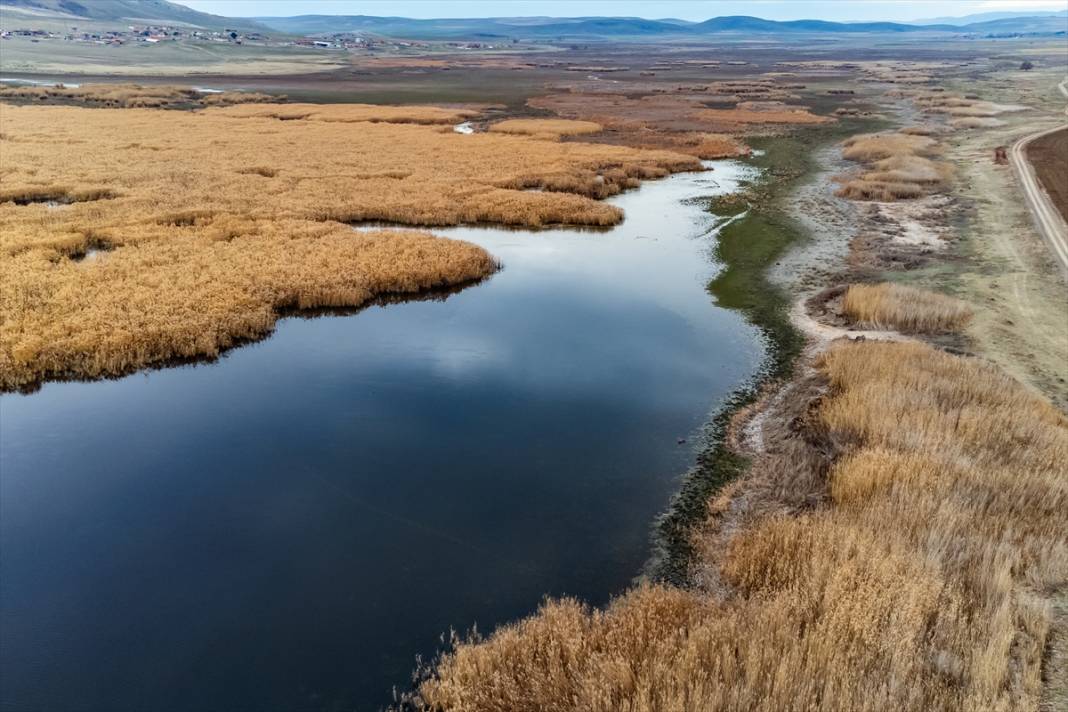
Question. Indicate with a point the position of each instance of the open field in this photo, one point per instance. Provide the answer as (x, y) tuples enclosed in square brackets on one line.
[(1007, 265), (129, 96), (1049, 155), (197, 227), (166, 59)]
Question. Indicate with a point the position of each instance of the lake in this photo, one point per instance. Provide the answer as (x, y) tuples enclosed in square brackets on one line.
[(288, 527)]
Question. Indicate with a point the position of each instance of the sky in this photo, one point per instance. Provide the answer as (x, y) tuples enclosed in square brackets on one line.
[(840, 10)]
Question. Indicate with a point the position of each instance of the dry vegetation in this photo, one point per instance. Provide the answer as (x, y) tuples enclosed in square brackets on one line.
[(899, 165), (682, 107), (350, 113), (131, 96), (208, 223), (547, 127), (197, 290), (903, 72), (894, 306), (707, 146), (784, 115), (677, 118), (911, 573), (897, 544), (959, 106), (702, 145), (976, 123), (964, 112)]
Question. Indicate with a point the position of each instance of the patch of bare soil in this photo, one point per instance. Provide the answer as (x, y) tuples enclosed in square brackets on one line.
[(1023, 326), (973, 237), (1049, 156)]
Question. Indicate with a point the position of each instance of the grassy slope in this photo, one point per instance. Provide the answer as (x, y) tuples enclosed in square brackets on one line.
[(111, 14)]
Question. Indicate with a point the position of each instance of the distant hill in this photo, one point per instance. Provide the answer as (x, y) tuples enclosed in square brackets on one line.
[(46, 14), (61, 14), (498, 28), (1023, 25), (549, 27), (743, 23), (472, 28), (988, 17)]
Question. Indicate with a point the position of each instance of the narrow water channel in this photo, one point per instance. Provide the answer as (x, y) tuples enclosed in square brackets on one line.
[(288, 527)]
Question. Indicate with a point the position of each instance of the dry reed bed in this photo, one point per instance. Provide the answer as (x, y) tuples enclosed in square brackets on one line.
[(919, 581), (976, 123), (679, 120), (132, 95), (900, 167), (210, 223), (959, 106), (350, 113), (176, 168), (193, 292), (762, 116), (548, 127), (895, 306), (706, 146)]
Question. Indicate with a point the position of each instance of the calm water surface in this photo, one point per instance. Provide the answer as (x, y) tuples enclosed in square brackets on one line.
[(287, 528)]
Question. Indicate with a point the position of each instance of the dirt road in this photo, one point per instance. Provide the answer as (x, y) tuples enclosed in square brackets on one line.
[(1047, 218)]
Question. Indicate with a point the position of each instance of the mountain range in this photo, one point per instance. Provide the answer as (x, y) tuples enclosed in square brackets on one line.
[(564, 28), (988, 16), (46, 14)]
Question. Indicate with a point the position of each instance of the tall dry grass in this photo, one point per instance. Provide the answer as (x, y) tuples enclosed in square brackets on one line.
[(210, 223), (895, 306), (349, 113), (547, 127), (132, 95), (899, 166), (960, 106), (707, 146), (976, 123), (194, 291), (785, 115), (921, 583), (867, 148)]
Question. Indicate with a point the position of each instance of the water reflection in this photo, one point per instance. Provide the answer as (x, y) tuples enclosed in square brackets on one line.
[(286, 528)]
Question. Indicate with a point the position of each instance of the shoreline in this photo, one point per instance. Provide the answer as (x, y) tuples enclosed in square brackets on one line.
[(813, 270), (788, 168), (868, 516)]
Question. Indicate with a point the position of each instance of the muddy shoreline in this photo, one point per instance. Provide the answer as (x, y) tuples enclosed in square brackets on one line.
[(757, 251), (763, 456)]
